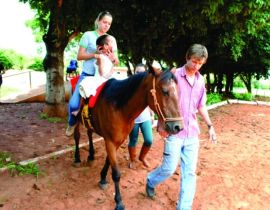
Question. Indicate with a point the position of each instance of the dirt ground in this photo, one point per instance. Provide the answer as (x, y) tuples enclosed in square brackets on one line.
[(233, 174)]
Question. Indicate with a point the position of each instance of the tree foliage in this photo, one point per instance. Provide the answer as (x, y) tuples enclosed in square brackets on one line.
[(59, 22), (236, 34)]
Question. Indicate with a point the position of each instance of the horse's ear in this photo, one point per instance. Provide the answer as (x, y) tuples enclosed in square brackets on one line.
[(154, 68)]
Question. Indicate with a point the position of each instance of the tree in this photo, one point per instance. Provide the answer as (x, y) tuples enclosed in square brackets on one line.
[(59, 21), (160, 30)]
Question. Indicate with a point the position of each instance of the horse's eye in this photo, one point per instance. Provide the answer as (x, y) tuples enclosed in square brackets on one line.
[(165, 92)]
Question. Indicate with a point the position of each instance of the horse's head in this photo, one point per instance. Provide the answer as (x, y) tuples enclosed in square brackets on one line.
[(163, 99)]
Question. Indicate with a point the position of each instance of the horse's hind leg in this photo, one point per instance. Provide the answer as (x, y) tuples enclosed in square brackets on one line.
[(91, 155), (103, 174), (77, 135)]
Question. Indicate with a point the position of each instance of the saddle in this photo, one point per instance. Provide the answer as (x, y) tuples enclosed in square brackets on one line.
[(92, 99), (85, 115), (87, 103)]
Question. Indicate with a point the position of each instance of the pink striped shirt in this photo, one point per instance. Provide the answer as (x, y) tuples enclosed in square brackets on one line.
[(191, 98)]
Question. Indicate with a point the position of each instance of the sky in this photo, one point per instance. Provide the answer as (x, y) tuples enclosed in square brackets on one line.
[(14, 33)]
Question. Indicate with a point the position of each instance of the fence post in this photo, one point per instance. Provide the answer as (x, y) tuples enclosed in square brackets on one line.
[(30, 80)]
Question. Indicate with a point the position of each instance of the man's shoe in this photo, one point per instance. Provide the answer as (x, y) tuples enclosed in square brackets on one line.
[(70, 130), (150, 191)]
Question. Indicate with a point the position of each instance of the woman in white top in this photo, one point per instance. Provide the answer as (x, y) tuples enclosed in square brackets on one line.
[(144, 123)]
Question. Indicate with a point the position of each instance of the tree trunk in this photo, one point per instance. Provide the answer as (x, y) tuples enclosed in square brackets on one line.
[(55, 105), (56, 39), (219, 82), (208, 83), (229, 83), (247, 81), (249, 88)]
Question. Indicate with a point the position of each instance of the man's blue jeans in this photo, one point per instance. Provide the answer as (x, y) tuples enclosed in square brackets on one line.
[(177, 149)]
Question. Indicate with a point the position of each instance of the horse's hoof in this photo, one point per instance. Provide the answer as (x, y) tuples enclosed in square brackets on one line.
[(120, 207), (103, 185), (76, 164), (90, 158), (89, 163)]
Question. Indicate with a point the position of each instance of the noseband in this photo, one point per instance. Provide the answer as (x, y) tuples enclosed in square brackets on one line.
[(159, 111)]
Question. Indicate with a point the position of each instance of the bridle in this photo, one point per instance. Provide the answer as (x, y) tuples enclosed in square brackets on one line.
[(159, 112)]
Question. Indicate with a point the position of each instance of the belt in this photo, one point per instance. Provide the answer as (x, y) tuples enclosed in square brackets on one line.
[(89, 75)]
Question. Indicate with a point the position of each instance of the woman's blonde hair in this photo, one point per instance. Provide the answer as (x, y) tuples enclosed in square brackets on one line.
[(100, 16)]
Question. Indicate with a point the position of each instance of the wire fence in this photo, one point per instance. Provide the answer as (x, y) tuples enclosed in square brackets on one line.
[(16, 82)]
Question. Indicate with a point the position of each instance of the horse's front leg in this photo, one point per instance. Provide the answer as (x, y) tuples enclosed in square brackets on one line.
[(116, 178), (112, 153), (91, 155), (77, 136)]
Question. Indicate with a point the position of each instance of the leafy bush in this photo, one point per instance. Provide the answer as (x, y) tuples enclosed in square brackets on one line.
[(14, 59), (5, 61), (238, 83), (213, 98), (256, 84), (36, 64), (243, 96)]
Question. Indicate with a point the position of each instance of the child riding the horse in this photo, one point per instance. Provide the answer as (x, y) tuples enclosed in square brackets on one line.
[(104, 64), (104, 60)]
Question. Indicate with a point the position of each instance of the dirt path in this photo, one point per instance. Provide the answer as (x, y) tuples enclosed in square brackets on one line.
[(233, 174)]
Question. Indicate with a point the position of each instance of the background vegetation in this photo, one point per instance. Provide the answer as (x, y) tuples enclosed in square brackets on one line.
[(12, 60), (236, 33)]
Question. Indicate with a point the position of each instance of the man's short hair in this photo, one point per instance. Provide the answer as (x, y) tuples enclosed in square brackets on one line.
[(198, 51)]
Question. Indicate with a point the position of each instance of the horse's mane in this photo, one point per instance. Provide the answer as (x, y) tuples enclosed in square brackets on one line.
[(119, 92)]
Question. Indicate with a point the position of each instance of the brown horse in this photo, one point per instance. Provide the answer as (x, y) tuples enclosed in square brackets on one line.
[(117, 106)]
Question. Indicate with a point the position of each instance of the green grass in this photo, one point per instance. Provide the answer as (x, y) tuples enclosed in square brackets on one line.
[(14, 168), (44, 116), (5, 91), (4, 159), (213, 98), (261, 84)]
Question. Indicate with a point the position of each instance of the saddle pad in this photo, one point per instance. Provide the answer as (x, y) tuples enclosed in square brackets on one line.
[(73, 82), (93, 99)]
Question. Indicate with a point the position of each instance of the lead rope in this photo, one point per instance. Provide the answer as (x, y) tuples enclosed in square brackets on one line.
[(153, 91)]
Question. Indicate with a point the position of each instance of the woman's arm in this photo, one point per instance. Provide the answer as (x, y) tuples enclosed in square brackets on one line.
[(84, 55)]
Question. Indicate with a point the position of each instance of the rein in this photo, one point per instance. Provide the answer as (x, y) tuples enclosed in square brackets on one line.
[(159, 111)]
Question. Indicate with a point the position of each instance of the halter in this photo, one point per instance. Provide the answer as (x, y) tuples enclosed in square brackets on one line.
[(159, 112)]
